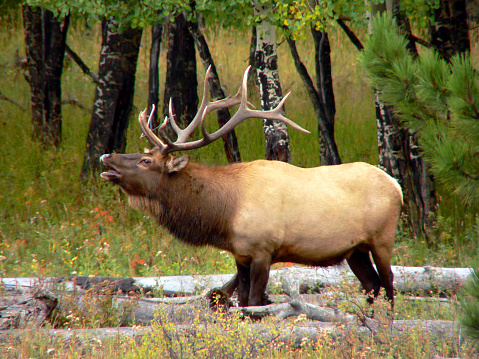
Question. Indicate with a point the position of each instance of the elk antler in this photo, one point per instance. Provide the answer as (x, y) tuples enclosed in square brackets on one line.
[(165, 145)]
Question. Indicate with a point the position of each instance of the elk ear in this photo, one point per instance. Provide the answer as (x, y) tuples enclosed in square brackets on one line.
[(177, 163)]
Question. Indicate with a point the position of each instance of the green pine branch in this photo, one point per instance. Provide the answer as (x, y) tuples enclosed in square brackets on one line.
[(433, 98)]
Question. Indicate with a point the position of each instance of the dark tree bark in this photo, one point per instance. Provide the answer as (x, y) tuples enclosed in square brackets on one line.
[(324, 85), (277, 145), (54, 37), (450, 32), (154, 76), (253, 79), (45, 41), (317, 100), (114, 95), (32, 24), (181, 82), (223, 115)]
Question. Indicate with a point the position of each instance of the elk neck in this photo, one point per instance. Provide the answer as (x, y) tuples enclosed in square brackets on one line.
[(196, 204)]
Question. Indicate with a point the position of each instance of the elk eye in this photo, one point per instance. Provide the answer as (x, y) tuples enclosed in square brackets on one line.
[(145, 161)]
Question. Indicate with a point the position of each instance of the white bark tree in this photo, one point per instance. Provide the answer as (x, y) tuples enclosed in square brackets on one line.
[(266, 62)]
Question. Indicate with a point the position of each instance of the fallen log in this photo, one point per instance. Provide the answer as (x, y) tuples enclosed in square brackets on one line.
[(26, 311), (295, 308), (300, 280)]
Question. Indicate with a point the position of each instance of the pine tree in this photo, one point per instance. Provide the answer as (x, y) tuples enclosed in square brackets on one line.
[(436, 99)]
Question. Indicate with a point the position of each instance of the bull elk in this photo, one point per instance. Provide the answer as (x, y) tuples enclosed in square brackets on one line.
[(263, 212)]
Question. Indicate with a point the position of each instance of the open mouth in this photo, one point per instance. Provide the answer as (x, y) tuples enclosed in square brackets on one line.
[(110, 175)]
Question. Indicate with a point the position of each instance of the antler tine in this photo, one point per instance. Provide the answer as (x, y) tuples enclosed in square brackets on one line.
[(277, 114), (171, 116), (146, 130)]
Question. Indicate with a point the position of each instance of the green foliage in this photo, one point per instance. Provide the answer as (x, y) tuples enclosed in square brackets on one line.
[(294, 16), (435, 99), (140, 13)]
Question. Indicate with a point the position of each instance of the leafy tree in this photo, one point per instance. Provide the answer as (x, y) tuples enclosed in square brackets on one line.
[(436, 99)]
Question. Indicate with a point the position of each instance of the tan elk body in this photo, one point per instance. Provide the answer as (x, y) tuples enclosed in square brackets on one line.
[(267, 211)]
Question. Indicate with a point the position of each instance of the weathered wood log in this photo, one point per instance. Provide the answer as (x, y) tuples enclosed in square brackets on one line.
[(26, 311), (295, 308), (301, 279)]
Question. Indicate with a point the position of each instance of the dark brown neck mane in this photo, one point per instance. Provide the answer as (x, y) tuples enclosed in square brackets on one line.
[(194, 204)]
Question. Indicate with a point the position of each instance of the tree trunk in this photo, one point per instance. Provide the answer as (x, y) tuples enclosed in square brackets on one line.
[(450, 32), (252, 78), (317, 101), (324, 84), (181, 82), (154, 76), (114, 95), (45, 41), (223, 115), (277, 145), (32, 24), (293, 280)]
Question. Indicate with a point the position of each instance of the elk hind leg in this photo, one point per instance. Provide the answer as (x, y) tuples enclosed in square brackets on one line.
[(360, 264), (382, 259)]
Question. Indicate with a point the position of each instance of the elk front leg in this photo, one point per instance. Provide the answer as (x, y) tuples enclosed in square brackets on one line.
[(259, 275), (243, 280)]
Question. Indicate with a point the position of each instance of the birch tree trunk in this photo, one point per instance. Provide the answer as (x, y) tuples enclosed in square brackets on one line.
[(277, 145), (114, 95)]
